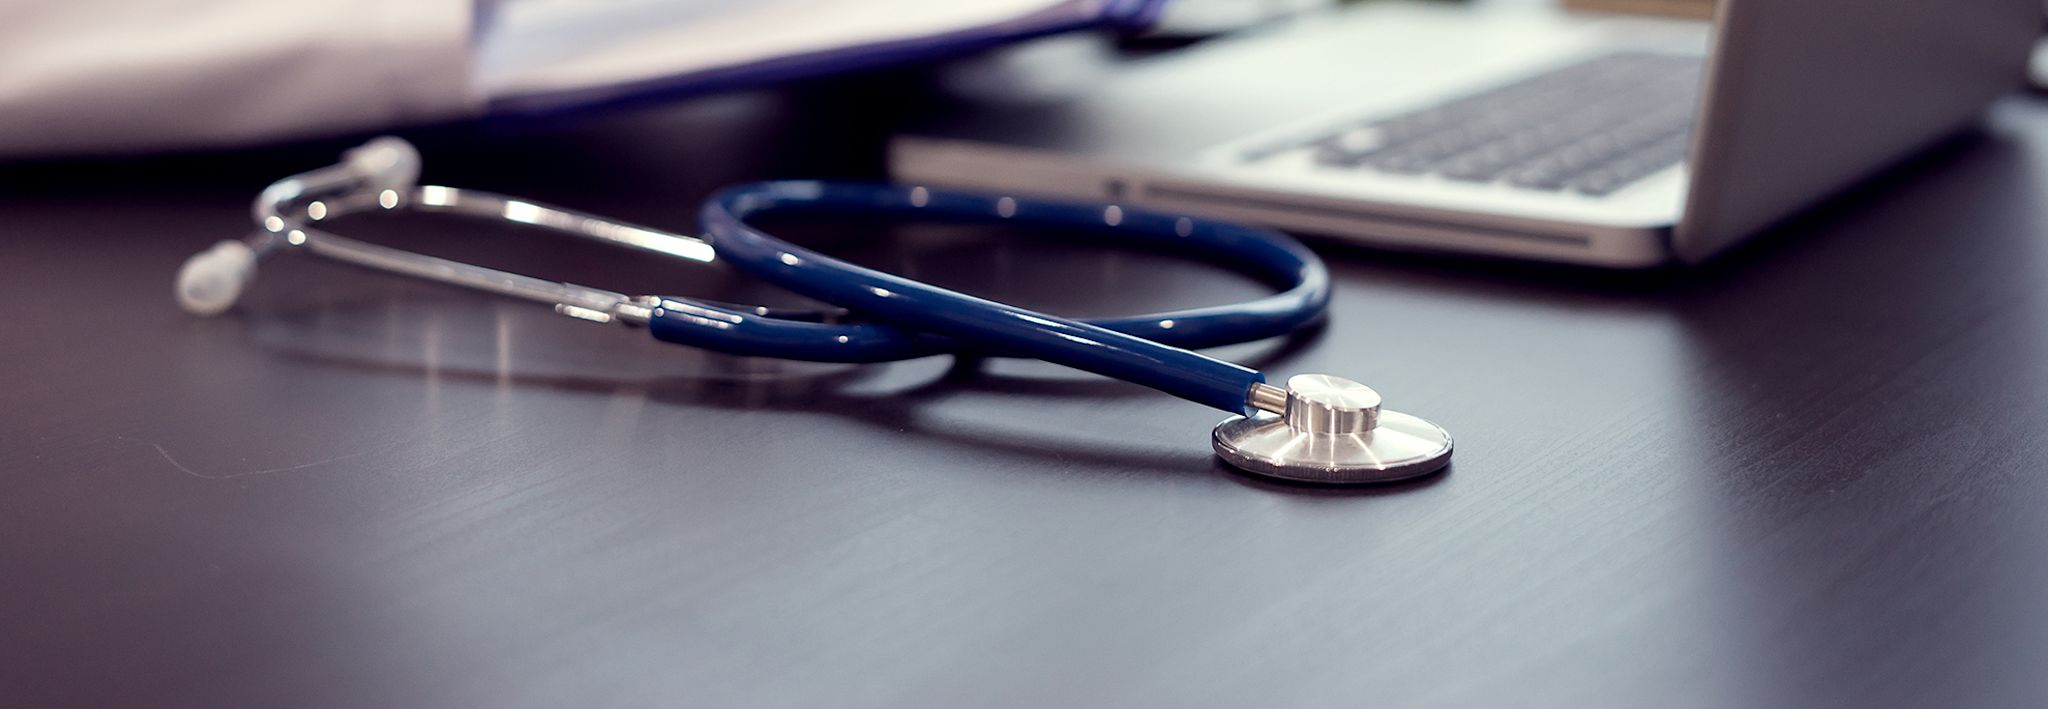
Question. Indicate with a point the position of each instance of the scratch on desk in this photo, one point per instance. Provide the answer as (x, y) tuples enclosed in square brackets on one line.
[(166, 454)]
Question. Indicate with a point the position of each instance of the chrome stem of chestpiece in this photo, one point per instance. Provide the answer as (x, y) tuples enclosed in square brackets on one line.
[(1319, 428)]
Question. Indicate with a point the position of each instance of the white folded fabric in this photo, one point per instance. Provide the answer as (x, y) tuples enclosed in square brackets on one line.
[(85, 77)]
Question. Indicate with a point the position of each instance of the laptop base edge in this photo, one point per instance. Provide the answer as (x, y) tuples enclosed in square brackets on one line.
[(985, 167)]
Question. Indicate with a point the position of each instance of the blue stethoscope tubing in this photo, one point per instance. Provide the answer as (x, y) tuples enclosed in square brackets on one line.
[(915, 319)]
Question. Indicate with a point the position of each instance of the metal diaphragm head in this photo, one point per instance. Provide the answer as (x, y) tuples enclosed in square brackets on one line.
[(1333, 430)]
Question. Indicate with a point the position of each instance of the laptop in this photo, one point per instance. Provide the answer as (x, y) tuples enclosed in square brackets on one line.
[(1510, 131)]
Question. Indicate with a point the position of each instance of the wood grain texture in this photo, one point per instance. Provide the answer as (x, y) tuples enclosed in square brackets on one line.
[(1810, 475)]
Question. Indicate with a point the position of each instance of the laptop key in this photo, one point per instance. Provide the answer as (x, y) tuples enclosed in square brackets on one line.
[(1400, 163), (1538, 177), (1647, 160)]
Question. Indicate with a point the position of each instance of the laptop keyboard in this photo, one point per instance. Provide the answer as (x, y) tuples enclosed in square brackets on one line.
[(1592, 127)]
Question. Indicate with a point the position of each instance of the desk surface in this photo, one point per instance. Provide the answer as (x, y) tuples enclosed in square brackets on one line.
[(1811, 475)]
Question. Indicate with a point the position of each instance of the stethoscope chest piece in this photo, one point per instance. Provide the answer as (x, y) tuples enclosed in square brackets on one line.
[(1332, 430)]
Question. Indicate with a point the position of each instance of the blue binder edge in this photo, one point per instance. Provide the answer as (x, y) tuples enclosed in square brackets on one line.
[(1127, 15)]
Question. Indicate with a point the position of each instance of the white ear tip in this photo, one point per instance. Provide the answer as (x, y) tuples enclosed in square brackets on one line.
[(213, 279), (386, 162)]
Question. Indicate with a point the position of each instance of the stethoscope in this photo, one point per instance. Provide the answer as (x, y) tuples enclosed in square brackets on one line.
[(1320, 428)]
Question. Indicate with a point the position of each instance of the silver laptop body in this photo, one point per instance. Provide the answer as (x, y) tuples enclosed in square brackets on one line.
[(1507, 131)]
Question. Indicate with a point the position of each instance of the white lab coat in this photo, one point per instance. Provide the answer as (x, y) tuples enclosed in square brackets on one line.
[(81, 77)]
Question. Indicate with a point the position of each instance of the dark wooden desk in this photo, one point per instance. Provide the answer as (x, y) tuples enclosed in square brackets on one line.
[(1811, 475)]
